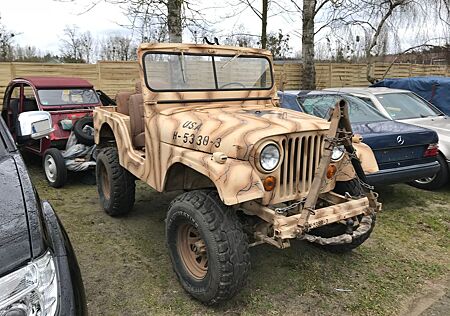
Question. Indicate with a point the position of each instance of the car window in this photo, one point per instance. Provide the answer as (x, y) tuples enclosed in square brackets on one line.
[(359, 111), (67, 96), (289, 101), (368, 101), (405, 106)]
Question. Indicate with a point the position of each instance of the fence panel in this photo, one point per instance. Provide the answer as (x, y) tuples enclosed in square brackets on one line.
[(112, 77)]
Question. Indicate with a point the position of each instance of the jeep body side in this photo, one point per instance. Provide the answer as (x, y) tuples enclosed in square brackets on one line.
[(207, 122)]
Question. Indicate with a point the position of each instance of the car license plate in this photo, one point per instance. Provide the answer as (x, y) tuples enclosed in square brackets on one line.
[(40, 126)]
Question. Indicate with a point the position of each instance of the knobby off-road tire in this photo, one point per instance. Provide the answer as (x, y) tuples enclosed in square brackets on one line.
[(437, 181), (116, 186), (354, 188), (54, 167), (207, 246)]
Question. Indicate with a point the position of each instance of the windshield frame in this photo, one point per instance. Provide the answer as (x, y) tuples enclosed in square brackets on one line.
[(414, 95), (56, 106), (153, 52)]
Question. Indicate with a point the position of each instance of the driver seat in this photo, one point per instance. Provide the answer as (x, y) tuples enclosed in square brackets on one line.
[(137, 122)]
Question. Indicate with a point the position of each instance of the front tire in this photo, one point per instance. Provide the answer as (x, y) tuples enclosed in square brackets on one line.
[(54, 167), (116, 186), (207, 246), (435, 182)]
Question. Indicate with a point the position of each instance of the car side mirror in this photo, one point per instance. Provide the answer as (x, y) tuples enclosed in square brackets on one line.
[(34, 125)]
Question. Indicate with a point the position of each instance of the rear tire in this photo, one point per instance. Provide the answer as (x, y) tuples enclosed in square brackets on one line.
[(116, 186), (437, 181), (54, 167), (207, 246)]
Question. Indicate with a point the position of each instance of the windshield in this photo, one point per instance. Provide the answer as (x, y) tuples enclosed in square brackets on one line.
[(405, 106), (68, 96), (196, 72), (359, 111)]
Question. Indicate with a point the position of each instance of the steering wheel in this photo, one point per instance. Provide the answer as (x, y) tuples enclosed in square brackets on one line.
[(232, 83)]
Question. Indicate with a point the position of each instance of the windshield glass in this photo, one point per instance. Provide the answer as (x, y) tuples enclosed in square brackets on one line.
[(189, 72), (405, 106), (68, 96), (359, 111)]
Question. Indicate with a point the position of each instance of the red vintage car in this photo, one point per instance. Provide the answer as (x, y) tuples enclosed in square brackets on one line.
[(70, 101)]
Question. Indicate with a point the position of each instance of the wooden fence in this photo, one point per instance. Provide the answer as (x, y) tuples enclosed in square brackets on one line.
[(112, 77)]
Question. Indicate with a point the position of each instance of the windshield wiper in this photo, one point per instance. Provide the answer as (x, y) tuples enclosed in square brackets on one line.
[(183, 76), (231, 60)]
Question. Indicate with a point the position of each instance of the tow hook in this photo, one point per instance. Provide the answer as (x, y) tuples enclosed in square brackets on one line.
[(349, 224)]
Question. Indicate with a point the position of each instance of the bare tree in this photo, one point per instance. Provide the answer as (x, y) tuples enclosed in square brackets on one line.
[(118, 48), (87, 47), (70, 44), (175, 15), (6, 46), (77, 47), (278, 44), (242, 38)]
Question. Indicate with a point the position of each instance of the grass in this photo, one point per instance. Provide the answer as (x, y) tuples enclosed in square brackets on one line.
[(127, 271)]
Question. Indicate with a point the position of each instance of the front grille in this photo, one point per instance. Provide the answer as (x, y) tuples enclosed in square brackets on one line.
[(301, 157)]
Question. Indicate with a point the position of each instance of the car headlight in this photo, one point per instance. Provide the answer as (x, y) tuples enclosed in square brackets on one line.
[(31, 290), (337, 153), (269, 157)]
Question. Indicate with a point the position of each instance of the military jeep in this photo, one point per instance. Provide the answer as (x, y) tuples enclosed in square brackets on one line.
[(204, 120)]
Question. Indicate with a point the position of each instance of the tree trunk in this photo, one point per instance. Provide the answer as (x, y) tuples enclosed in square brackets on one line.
[(264, 24), (174, 20), (309, 71)]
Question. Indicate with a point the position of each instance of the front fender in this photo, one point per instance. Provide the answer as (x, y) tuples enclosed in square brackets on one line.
[(235, 180)]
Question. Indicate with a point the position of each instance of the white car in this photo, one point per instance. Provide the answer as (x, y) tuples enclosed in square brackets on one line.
[(406, 106)]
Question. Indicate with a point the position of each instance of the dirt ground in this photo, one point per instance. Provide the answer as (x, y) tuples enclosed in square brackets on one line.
[(404, 268)]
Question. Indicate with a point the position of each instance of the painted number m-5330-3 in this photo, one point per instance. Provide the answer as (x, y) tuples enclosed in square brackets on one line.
[(200, 140)]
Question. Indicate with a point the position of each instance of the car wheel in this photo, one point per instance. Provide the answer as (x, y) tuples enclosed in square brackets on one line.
[(354, 188), (207, 246), (83, 137), (436, 181), (54, 167), (116, 186)]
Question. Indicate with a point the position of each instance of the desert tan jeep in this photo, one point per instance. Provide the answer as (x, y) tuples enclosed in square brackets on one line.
[(207, 123)]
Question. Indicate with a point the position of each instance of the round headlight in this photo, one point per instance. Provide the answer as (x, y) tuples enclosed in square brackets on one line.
[(269, 157), (337, 153)]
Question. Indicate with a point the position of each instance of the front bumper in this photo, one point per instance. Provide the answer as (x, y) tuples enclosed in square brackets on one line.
[(288, 227), (403, 174)]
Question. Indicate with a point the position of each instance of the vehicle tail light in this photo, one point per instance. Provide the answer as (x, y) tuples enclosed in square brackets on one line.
[(432, 150)]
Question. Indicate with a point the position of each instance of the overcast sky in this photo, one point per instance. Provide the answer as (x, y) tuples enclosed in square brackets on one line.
[(40, 23)]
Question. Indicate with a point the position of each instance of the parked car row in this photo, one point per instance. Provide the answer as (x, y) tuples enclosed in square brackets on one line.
[(410, 136)]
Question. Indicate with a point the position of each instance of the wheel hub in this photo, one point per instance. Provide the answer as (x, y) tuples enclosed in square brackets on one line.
[(50, 168), (192, 250), (426, 180)]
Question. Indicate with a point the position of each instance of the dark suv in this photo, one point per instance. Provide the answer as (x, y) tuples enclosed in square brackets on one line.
[(39, 273)]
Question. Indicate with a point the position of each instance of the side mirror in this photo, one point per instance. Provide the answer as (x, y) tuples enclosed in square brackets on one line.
[(34, 125)]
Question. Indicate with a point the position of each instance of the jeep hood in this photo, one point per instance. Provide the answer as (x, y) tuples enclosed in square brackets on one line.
[(233, 131)]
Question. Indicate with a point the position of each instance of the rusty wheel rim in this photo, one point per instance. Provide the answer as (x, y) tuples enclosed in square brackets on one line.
[(192, 250), (105, 182)]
